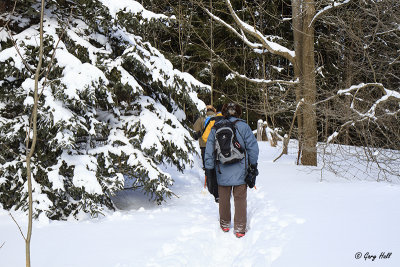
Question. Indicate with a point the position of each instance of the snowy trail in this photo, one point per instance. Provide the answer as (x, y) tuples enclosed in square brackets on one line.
[(200, 240), (294, 220)]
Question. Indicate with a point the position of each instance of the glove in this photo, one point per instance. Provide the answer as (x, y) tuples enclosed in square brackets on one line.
[(196, 135), (252, 173), (253, 169), (211, 181)]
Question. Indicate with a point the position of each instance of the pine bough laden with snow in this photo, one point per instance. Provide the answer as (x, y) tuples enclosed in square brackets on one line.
[(110, 109)]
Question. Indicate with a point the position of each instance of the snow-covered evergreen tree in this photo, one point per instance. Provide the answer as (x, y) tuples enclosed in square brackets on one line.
[(112, 107)]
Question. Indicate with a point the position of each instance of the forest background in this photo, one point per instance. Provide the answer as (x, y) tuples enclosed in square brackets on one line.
[(321, 72)]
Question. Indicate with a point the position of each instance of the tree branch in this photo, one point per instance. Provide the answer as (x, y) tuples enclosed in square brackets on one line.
[(327, 9), (252, 80), (368, 115), (272, 47), (263, 81), (53, 55), (16, 48), (240, 35), (20, 230)]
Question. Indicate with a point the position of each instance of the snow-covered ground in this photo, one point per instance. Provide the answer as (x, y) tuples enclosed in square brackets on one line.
[(294, 218)]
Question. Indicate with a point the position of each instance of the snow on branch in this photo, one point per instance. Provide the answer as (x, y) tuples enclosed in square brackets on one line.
[(132, 6), (370, 113), (262, 81), (326, 9), (387, 95), (237, 74), (272, 47), (240, 35), (333, 136), (253, 80), (360, 86)]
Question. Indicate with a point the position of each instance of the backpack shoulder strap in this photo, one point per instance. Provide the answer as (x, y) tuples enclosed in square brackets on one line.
[(217, 119), (234, 124), (208, 122), (236, 121)]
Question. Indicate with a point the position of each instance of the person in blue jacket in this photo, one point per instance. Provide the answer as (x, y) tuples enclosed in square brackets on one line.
[(235, 177)]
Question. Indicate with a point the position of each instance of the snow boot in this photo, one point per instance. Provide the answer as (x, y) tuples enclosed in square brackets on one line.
[(239, 235), (225, 229)]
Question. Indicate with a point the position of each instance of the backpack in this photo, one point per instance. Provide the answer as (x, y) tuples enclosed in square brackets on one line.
[(209, 123), (207, 120), (228, 150)]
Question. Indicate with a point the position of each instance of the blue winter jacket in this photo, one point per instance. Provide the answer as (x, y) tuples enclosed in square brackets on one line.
[(233, 174)]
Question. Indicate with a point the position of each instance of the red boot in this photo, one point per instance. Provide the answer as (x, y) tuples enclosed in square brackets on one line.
[(225, 229), (239, 235)]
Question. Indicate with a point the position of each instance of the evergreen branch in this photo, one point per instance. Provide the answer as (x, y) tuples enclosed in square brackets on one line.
[(16, 48), (53, 55), (172, 193), (46, 76), (132, 187), (10, 150), (9, 19), (20, 230)]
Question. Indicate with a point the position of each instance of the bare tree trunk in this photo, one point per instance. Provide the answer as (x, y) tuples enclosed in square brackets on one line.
[(31, 149), (180, 34), (348, 83), (309, 153), (245, 82), (304, 69), (303, 15), (298, 37), (265, 91), (211, 56)]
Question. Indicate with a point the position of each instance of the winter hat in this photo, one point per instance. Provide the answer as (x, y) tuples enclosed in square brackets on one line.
[(210, 108), (231, 109)]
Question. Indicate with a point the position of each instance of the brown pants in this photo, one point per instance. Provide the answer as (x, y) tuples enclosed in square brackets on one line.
[(240, 199)]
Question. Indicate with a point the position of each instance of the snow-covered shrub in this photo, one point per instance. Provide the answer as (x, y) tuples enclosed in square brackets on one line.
[(111, 110)]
